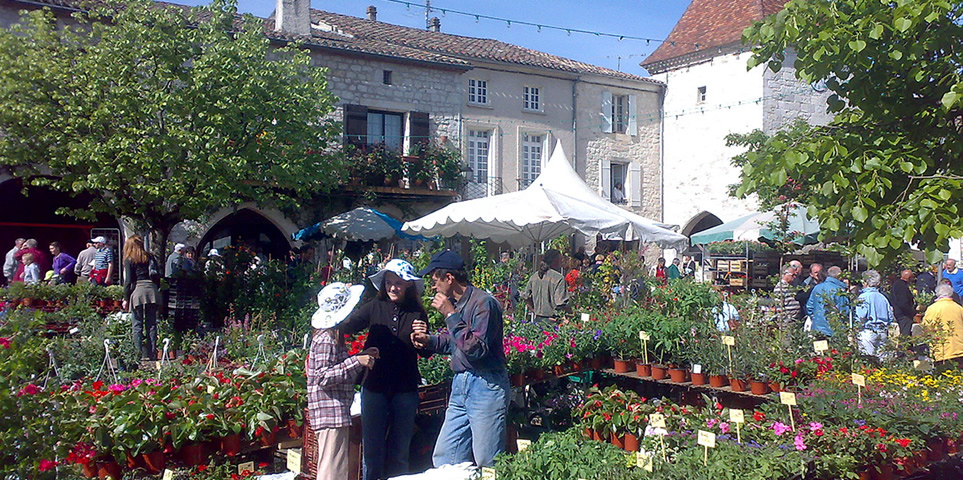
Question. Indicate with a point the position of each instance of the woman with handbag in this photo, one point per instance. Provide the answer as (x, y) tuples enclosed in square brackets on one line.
[(141, 281)]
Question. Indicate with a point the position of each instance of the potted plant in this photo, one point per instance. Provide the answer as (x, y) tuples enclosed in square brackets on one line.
[(115, 293)]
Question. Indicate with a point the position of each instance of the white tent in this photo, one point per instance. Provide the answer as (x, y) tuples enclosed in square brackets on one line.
[(558, 202)]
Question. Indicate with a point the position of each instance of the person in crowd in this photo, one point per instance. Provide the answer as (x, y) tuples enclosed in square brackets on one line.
[(688, 266), (726, 314), (307, 255), (874, 314), (174, 261), (904, 303), (39, 258), (389, 395), (659, 271), (955, 296), (546, 292), (474, 425), (599, 261), (954, 275), (784, 294), (10, 262), (331, 375), (830, 291), (945, 316), (103, 271), (926, 280), (142, 295), (190, 259), (63, 264), (674, 272), (85, 262), (814, 274), (214, 263), (31, 271), (805, 291), (799, 279), (618, 194)]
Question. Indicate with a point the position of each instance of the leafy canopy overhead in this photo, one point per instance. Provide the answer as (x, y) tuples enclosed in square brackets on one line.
[(888, 168), (163, 113)]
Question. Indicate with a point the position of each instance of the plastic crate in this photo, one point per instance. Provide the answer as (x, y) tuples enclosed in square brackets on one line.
[(433, 399)]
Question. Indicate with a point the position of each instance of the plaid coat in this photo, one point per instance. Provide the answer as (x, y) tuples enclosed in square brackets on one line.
[(331, 378)]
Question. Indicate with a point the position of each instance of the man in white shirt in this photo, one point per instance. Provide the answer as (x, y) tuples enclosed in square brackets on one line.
[(618, 196), (10, 262)]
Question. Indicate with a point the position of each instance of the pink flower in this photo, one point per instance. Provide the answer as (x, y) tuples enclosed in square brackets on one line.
[(116, 388), (5, 342), (135, 382), (799, 442), (799, 360), (29, 389), (46, 465), (780, 428), (711, 422), (724, 427), (815, 426)]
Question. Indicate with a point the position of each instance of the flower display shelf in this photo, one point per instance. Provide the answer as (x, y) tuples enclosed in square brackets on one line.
[(689, 385)]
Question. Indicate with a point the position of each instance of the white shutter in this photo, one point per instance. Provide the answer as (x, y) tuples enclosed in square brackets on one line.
[(606, 112), (634, 187), (633, 127), (606, 180)]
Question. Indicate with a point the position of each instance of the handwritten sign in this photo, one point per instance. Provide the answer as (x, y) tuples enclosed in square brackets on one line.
[(523, 444), (294, 460), (696, 369), (210, 389), (644, 336), (248, 466), (728, 340), (820, 346), (657, 420), (707, 439), (787, 398), (859, 380), (586, 317), (643, 460), (488, 473), (168, 475), (736, 415)]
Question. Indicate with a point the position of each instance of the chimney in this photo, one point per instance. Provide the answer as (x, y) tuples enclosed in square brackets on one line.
[(293, 17), (372, 13), (434, 24)]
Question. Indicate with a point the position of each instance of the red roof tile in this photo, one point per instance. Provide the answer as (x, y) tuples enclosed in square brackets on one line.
[(710, 24)]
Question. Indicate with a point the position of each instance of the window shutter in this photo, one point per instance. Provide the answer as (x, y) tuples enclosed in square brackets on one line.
[(606, 186), (355, 125), (418, 128), (606, 112), (634, 187), (633, 127)]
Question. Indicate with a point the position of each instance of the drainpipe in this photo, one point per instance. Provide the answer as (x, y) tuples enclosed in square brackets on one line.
[(663, 89), (575, 122)]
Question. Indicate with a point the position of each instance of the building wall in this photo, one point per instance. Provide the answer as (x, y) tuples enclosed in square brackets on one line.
[(787, 98)]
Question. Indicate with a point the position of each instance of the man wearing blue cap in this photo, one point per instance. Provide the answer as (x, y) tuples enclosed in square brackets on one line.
[(474, 425)]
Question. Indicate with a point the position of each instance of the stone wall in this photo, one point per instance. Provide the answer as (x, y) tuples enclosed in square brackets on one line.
[(788, 98)]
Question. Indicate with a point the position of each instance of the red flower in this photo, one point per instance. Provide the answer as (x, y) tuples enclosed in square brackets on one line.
[(262, 465), (46, 465), (201, 468), (5, 342), (903, 442), (210, 416), (29, 389), (758, 416), (98, 385)]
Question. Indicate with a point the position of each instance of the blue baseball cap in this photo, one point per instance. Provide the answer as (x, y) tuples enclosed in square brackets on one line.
[(447, 260)]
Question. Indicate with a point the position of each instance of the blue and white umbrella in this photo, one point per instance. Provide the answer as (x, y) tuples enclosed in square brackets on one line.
[(801, 228)]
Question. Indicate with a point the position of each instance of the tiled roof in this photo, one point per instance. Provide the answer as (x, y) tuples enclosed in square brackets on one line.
[(463, 47), (710, 24)]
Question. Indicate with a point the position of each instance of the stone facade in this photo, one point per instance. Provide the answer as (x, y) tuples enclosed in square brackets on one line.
[(786, 98)]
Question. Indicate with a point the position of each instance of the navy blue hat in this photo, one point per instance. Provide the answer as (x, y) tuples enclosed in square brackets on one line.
[(447, 260)]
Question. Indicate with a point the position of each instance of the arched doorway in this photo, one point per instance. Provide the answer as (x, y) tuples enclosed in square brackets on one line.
[(701, 221), (250, 228)]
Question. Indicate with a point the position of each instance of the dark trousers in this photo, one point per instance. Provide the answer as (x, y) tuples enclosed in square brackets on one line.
[(387, 425), (144, 323), (905, 325)]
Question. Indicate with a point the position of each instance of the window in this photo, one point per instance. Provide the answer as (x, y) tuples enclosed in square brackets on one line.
[(386, 128), (531, 99), (701, 95), (531, 158), (478, 141), (478, 91), (386, 77), (617, 183), (620, 113)]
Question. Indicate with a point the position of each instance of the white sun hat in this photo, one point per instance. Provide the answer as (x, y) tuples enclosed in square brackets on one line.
[(403, 269), (335, 303)]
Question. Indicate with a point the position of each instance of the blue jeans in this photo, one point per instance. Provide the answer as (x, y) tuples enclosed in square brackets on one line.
[(387, 425), (871, 341), (475, 420)]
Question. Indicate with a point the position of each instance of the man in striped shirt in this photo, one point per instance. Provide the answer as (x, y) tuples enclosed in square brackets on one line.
[(103, 271), (784, 295)]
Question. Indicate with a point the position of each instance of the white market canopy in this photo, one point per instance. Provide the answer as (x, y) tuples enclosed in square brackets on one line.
[(558, 202)]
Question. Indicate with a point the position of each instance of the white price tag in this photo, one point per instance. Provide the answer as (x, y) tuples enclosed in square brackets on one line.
[(696, 369), (736, 415), (643, 460), (707, 439), (586, 317), (787, 398), (487, 473), (168, 475), (820, 346), (294, 460), (657, 420), (249, 466), (644, 336), (210, 389)]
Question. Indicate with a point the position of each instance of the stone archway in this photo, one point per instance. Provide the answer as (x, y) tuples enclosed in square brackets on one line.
[(701, 221), (266, 231)]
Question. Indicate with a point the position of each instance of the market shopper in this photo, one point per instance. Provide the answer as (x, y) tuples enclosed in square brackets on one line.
[(63, 264), (784, 294), (797, 269), (174, 261), (39, 258), (474, 426), (926, 280), (31, 271), (827, 295), (546, 292), (331, 375), (952, 273), (102, 272), (874, 314), (85, 262), (904, 303), (674, 272), (389, 394), (659, 271), (142, 295), (945, 318), (10, 262)]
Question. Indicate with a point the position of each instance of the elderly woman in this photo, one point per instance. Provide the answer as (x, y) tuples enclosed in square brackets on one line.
[(874, 313), (389, 394)]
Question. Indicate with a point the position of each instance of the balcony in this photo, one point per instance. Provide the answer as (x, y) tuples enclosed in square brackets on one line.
[(481, 187), (430, 167)]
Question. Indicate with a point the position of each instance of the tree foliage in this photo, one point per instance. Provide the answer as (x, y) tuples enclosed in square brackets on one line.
[(163, 113), (888, 168)]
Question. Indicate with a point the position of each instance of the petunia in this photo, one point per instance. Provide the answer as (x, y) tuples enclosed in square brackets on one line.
[(780, 428)]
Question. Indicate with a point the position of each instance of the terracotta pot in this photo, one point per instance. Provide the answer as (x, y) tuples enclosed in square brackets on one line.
[(919, 459), (882, 472), (596, 363), (622, 366), (89, 469), (658, 372), (269, 438), (738, 385), (574, 366), (775, 386), (865, 475), (517, 379), (294, 430), (27, 302), (618, 440), (588, 433), (643, 369), (906, 466), (558, 370), (109, 468), (698, 378), (758, 388), (950, 446), (677, 375), (194, 454), (631, 442), (154, 462), (132, 461), (718, 381), (934, 449), (597, 436), (231, 445)]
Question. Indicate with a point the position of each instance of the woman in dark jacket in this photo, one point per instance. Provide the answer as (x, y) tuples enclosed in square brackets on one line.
[(389, 395), (142, 296)]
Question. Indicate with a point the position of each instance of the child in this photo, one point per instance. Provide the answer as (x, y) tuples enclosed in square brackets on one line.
[(31, 271), (331, 377)]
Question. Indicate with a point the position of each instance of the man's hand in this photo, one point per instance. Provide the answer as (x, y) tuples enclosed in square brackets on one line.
[(419, 340), (123, 305), (419, 326), (442, 304), (371, 352)]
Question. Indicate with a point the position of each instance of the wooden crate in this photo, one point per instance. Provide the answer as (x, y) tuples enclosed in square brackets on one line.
[(722, 265), (737, 282), (433, 399), (738, 266)]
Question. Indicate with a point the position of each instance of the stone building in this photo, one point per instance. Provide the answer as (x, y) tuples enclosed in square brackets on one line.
[(711, 93)]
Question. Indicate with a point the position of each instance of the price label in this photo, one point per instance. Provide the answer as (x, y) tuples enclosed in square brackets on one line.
[(249, 466), (210, 389), (657, 420), (488, 473), (294, 460), (736, 415), (787, 398), (820, 346), (696, 369), (586, 317), (728, 340), (168, 475), (707, 439), (922, 365), (157, 365), (859, 380), (523, 444), (643, 460), (644, 336)]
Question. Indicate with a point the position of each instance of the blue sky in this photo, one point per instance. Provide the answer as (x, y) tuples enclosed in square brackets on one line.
[(639, 18)]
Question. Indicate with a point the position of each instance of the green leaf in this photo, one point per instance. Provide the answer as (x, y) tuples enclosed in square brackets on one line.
[(895, 54), (950, 98), (860, 214), (876, 31), (902, 24), (857, 45)]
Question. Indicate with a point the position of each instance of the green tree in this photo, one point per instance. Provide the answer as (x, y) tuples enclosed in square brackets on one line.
[(163, 113), (887, 170)]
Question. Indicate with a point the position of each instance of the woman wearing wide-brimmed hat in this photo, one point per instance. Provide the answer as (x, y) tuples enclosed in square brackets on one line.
[(389, 395)]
